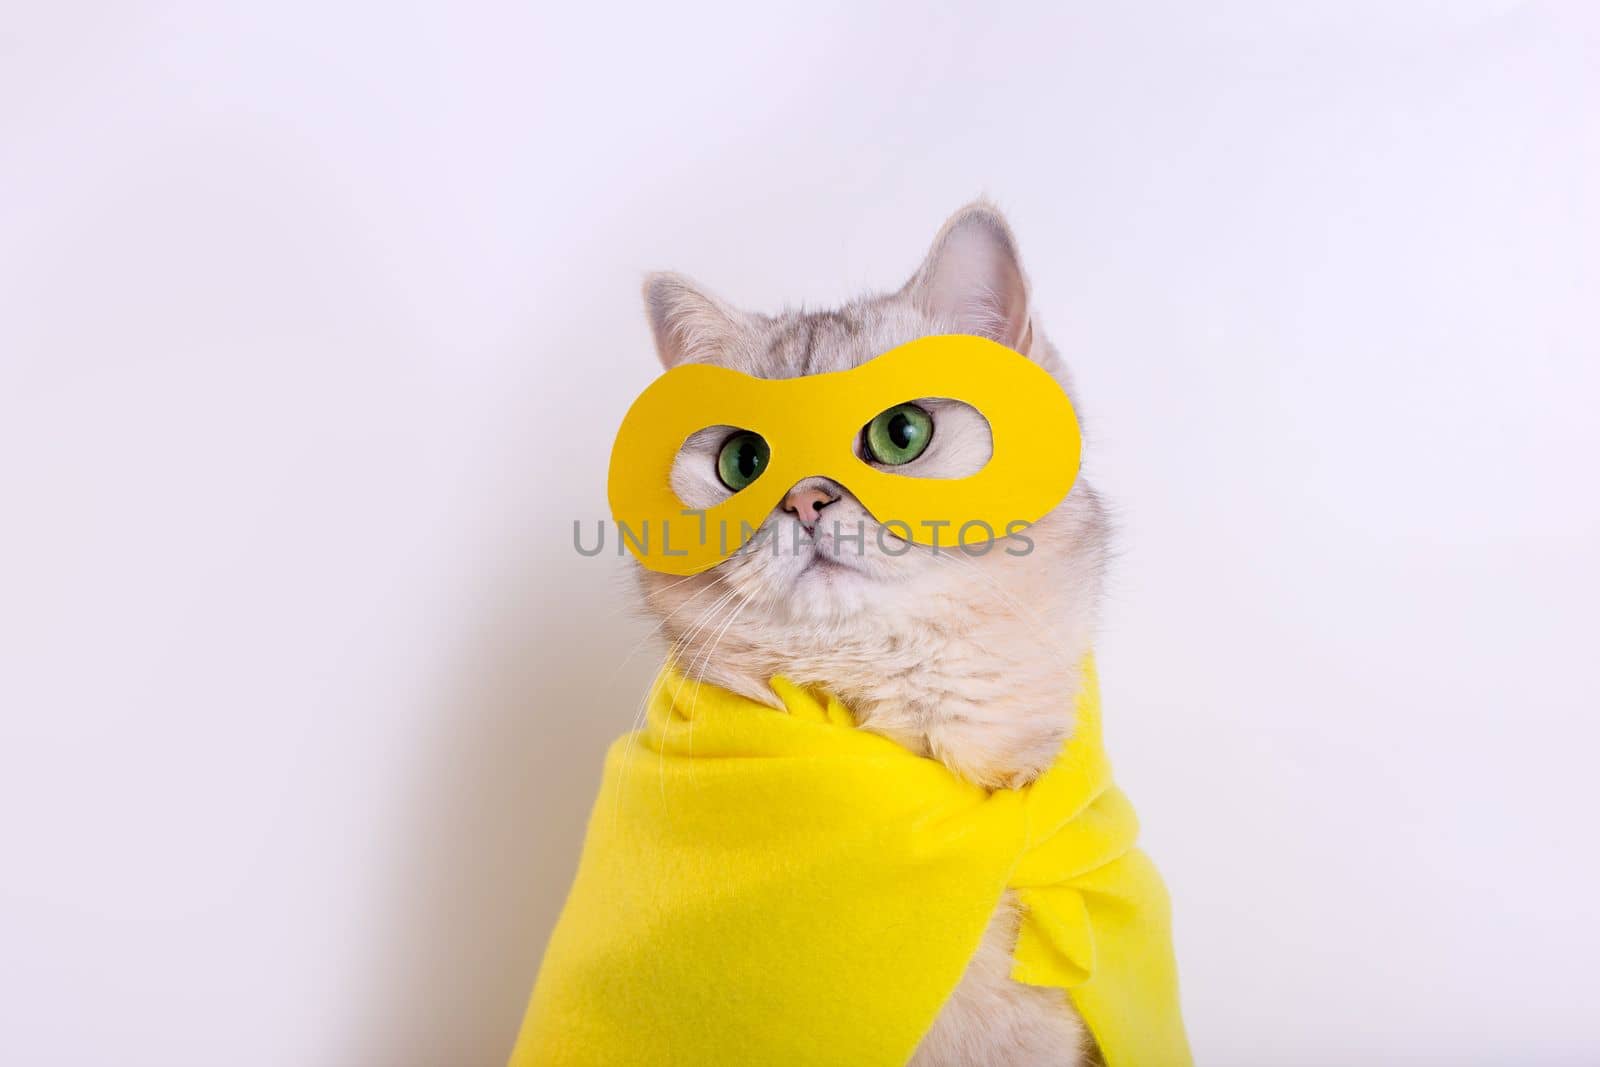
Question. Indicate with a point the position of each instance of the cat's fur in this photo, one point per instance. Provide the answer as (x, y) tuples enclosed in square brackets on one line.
[(972, 660)]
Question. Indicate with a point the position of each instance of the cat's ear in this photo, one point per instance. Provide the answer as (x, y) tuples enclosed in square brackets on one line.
[(973, 278), (689, 324)]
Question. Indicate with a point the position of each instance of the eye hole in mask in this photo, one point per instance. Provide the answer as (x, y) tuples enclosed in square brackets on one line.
[(854, 427), (741, 459), (898, 435)]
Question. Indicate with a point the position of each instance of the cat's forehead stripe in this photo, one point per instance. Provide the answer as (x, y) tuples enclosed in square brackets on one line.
[(813, 343)]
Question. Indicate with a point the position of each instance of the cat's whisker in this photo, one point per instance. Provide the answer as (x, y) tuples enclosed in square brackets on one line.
[(705, 660), (683, 676), (629, 606), (696, 667), (662, 622), (642, 711), (705, 619), (639, 716)]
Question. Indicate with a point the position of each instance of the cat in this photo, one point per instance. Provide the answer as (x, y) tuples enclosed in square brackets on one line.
[(970, 659)]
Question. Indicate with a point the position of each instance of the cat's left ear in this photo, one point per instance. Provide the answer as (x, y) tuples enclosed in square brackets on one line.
[(973, 278), (688, 323)]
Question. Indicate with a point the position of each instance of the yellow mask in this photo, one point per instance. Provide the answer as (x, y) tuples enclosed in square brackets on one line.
[(810, 426)]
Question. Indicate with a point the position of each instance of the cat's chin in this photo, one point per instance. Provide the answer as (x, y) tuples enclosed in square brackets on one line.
[(824, 566), (823, 574), (825, 589)]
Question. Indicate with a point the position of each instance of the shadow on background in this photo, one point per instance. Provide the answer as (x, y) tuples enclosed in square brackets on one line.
[(501, 803)]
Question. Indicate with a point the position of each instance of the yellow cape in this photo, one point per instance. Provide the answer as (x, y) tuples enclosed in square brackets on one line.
[(777, 887)]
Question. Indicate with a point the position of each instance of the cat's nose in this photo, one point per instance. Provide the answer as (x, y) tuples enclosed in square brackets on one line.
[(805, 502)]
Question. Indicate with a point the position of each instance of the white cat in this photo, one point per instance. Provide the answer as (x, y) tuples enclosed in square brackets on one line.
[(972, 660)]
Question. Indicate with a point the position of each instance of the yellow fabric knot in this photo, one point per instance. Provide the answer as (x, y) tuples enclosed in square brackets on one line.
[(776, 886)]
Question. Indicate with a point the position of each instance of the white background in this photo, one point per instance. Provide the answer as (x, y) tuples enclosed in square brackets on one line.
[(316, 322)]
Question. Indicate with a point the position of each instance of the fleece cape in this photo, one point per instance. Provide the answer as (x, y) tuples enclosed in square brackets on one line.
[(777, 887)]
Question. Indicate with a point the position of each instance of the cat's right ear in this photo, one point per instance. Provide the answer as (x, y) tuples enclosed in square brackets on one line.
[(972, 279), (689, 324)]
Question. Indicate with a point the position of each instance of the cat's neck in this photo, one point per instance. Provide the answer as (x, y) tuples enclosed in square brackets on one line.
[(988, 690)]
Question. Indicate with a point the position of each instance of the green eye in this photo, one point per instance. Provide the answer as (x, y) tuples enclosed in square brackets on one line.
[(742, 459), (898, 435)]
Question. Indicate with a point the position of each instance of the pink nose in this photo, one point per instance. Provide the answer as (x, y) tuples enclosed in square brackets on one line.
[(807, 504)]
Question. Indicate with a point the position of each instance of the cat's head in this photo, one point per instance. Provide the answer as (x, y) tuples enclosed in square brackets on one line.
[(853, 585)]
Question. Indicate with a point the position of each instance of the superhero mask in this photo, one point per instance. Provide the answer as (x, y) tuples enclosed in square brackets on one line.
[(795, 428)]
